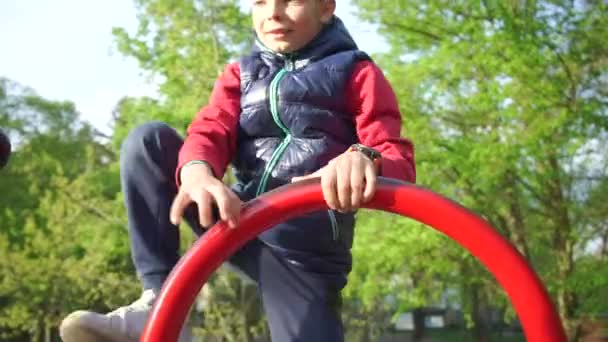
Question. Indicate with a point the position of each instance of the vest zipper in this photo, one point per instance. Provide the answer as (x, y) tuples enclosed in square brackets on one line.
[(276, 155), (274, 110)]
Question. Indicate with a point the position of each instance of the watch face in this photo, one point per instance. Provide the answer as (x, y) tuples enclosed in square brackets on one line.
[(368, 151), (375, 154)]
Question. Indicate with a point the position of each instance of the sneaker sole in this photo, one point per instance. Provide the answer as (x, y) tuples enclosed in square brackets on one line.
[(76, 333)]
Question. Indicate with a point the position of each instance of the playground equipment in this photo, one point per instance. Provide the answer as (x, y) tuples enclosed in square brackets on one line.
[(529, 297), (5, 149)]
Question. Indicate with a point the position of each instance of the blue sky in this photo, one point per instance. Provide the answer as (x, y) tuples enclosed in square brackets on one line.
[(64, 50)]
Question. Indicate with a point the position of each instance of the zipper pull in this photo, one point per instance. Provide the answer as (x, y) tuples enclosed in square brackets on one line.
[(290, 63)]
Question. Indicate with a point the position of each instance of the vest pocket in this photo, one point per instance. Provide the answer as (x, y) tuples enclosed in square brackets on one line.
[(335, 228)]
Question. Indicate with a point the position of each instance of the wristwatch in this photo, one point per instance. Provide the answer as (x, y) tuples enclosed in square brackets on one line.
[(370, 153)]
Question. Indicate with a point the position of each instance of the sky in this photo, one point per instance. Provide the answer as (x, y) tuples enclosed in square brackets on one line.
[(64, 50)]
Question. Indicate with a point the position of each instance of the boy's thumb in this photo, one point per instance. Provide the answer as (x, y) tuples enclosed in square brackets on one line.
[(301, 178), (297, 179)]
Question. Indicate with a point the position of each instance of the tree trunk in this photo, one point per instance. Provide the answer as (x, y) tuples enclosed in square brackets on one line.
[(367, 332), (37, 329), (563, 244), (516, 217), (48, 333), (419, 316), (604, 244), (481, 331)]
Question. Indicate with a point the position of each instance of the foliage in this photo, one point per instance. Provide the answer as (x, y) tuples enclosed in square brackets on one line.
[(58, 226), (506, 102)]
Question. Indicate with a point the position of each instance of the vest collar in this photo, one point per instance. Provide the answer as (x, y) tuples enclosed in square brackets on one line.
[(333, 38)]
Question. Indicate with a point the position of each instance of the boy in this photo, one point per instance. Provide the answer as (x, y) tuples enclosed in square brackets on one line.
[(305, 103)]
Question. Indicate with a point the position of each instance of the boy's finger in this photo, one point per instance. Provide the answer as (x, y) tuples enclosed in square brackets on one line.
[(357, 186), (328, 185), (228, 204), (235, 208), (343, 184), (178, 206), (370, 184), (315, 174), (205, 214)]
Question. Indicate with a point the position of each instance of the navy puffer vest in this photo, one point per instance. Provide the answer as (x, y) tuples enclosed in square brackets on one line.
[(294, 115), (294, 120)]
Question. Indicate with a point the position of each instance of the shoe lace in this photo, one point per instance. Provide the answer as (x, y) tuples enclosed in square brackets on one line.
[(143, 303)]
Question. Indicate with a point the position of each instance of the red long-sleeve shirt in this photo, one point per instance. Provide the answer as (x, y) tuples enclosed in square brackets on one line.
[(212, 135)]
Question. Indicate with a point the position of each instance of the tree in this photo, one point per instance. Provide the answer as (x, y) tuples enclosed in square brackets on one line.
[(5, 149), (506, 102), (183, 46), (61, 246)]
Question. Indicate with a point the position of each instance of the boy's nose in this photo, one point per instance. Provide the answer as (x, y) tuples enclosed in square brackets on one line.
[(275, 9)]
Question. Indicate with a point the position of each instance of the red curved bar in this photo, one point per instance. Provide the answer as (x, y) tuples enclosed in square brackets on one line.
[(530, 299)]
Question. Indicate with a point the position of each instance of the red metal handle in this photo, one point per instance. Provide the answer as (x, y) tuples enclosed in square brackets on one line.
[(529, 297)]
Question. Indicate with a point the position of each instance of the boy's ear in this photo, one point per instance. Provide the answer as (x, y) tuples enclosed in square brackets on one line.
[(328, 8)]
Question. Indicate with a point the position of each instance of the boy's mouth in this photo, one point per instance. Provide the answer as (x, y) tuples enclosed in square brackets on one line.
[(278, 32)]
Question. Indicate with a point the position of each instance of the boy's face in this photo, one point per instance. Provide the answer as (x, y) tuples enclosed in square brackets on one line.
[(288, 25)]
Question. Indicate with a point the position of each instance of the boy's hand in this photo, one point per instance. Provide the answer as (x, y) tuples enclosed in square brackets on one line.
[(200, 186), (347, 181)]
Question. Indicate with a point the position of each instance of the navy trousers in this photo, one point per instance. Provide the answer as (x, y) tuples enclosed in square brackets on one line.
[(301, 304)]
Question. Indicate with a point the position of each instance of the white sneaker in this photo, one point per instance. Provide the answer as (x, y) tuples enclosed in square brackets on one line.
[(124, 324)]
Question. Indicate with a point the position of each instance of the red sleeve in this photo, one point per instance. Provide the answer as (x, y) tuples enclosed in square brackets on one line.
[(212, 134), (378, 120)]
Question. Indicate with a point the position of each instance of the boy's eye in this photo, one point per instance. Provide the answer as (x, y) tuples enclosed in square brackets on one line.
[(259, 2)]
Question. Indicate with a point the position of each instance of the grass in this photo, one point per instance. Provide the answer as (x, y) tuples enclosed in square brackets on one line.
[(451, 335), (465, 336)]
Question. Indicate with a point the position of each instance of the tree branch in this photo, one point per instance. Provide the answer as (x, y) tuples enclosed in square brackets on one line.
[(401, 26)]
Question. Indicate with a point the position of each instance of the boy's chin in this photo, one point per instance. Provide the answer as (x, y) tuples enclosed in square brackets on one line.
[(283, 50), (281, 47)]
